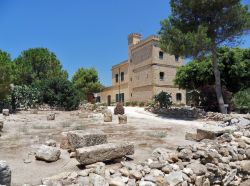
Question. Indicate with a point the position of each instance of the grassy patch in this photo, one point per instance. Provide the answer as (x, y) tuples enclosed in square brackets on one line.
[(157, 134)]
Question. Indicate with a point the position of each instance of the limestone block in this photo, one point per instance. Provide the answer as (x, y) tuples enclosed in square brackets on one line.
[(80, 138), (104, 152)]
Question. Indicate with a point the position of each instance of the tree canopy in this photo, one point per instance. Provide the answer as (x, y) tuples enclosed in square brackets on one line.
[(36, 64), (86, 81), (197, 28), (234, 64), (6, 74)]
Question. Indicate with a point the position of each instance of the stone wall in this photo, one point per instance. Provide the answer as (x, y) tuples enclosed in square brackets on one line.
[(181, 112)]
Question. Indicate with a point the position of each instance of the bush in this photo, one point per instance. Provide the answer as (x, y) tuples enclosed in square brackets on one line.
[(164, 99), (24, 96), (141, 104), (209, 99), (59, 92), (241, 101), (127, 104), (134, 103), (119, 109)]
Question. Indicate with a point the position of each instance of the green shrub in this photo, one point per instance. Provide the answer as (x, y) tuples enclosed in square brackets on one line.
[(164, 99), (59, 92), (241, 101), (127, 104), (24, 96), (134, 103), (142, 104)]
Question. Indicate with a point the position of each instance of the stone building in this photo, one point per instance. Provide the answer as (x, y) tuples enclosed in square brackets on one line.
[(147, 72)]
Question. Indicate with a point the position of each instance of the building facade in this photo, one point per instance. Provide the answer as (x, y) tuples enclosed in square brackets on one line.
[(147, 72)]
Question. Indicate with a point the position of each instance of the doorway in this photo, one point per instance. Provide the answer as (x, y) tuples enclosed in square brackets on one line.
[(109, 100)]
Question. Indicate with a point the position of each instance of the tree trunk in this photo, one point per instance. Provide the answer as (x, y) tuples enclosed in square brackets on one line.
[(218, 81)]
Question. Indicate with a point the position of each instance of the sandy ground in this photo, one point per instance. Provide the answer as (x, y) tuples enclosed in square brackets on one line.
[(24, 131)]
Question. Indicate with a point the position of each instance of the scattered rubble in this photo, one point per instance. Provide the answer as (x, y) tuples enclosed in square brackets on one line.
[(51, 143), (221, 160)]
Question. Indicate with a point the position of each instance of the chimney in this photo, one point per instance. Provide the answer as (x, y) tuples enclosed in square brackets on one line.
[(134, 38)]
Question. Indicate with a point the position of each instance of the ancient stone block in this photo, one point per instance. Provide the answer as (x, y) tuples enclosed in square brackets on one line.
[(122, 119), (208, 133), (51, 117), (104, 152), (80, 138), (64, 141), (107, 114), (6, 112), (47, 153)]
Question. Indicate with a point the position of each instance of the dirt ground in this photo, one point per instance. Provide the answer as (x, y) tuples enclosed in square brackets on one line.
[(23, 131)]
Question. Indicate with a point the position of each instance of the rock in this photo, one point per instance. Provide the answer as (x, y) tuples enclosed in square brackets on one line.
[(161, 154), (5, 173), (185, 154), (174, 178), (124, 171), (6, 112), (191, 136), (51, 117), (97, 180), (187, 171), (117, 181), (243, 122), (146, 183), (245, 166), (64, 141), (107, 114), (246, 140), (47, 153), (122, 119), (197, 168), (56, 179), (248, 153), (245, 183), (229, 177), (135, 174), (103, 152), (156, 165), (80, 138), (211, 133), (51, 143), (1, 125), (72, 155), (167, 169)]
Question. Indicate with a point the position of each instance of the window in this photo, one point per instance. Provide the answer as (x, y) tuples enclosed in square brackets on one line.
[(131, 94), (161, 76), (116, 78), (176, 58), (122, 76), (161, 55), (119, 98), (178, 97)]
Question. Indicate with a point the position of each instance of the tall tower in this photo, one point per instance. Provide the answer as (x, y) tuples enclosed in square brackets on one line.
[(134, 38)]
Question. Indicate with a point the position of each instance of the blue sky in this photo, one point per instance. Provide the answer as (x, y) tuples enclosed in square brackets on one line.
[(82, 33)]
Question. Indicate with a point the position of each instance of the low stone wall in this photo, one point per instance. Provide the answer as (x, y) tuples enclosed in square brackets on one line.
[(181, 112)]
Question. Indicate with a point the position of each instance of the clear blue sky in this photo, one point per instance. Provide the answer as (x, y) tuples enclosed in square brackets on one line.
[(82, 33)]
